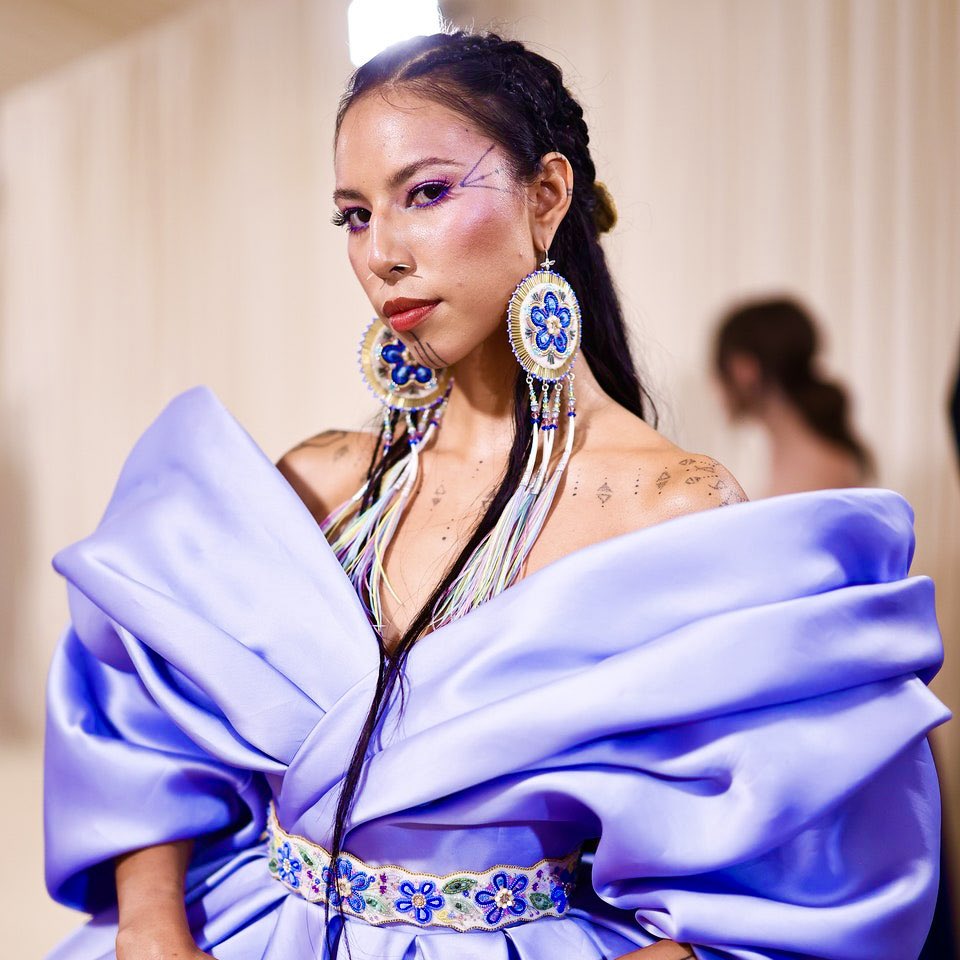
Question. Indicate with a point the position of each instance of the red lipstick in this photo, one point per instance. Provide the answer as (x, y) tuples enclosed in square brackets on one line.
[(405, 313)]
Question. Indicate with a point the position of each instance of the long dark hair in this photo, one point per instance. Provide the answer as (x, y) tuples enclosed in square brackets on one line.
[(518, 99), (781, 335)]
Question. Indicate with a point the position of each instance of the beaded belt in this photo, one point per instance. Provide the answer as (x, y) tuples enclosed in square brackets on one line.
[(465, 900)]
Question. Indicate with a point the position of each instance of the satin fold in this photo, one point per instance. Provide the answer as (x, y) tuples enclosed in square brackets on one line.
[(734, 701)]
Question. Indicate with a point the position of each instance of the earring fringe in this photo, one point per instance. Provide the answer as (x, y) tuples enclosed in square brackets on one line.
[(499, 558), (543, 324), (360, 539)]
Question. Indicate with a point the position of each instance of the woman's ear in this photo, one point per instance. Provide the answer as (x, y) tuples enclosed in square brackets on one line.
[(549, 197)]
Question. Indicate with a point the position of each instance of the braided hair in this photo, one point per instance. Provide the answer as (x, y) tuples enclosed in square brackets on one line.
[(518, 98)]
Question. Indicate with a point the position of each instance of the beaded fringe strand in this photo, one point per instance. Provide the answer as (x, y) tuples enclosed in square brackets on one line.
[(498, 559), (360, 539)]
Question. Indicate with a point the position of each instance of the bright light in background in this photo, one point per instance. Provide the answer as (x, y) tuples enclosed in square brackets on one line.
[(375, 24)]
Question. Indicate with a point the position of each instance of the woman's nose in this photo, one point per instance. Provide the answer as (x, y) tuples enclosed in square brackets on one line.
[(388, 256)]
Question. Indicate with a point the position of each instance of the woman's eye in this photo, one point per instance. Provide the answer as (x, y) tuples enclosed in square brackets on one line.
[(353, 218), (430, 192)]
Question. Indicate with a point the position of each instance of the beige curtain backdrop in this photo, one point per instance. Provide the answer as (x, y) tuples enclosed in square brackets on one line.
[(164, 222)]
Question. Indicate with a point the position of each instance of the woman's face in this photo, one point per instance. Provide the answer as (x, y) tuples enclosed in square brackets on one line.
[(741, 384), (432, 213)]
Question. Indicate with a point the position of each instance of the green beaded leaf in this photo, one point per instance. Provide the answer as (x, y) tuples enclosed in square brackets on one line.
[(273, 866), (307, 859), (464, 906), (375, 903), (541, 901), (459, 885)]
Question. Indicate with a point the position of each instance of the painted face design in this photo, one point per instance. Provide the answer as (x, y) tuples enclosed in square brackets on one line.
[(433, 215)]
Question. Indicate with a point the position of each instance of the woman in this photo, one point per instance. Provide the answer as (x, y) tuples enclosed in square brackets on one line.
[(385, 724), (766, 362)]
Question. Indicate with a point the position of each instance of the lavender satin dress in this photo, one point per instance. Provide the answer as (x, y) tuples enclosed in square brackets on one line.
[(734, 701)]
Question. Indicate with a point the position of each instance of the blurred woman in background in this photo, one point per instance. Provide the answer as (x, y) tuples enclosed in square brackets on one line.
[(765, 359)]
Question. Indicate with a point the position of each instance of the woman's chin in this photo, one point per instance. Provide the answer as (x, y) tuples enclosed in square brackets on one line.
[(435, 349)]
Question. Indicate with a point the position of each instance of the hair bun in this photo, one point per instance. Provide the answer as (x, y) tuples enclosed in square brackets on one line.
[(605, 213)]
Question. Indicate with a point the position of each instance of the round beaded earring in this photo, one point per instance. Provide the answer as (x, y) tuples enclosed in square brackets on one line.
[(418, 394)]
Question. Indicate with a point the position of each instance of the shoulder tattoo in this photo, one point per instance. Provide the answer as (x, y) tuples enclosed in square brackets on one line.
[(706, 473)]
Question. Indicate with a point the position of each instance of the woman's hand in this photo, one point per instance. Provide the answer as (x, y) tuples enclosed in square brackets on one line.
[(664, 950), (157, 930), (157, 939)]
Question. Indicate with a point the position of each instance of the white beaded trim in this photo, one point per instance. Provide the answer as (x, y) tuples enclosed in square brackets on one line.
[(465, 900)]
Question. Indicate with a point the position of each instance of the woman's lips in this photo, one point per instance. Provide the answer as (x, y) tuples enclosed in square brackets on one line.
[(408, 319)]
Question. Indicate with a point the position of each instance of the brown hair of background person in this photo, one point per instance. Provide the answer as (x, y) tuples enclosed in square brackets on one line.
[(766, 351)]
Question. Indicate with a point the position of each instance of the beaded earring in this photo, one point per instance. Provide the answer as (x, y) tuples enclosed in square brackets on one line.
[(543, 325), (417, 394)]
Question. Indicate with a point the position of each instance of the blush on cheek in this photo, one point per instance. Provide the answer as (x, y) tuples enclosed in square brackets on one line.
[(489, 240), (483, 222), (473, 260)]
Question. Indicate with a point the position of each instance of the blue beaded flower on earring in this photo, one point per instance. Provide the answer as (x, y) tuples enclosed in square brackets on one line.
[(395, 374), (553, 320), (396, 355), (543, 323)]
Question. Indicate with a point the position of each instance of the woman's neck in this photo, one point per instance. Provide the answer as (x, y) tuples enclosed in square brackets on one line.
[(785, 424), (479, 419)]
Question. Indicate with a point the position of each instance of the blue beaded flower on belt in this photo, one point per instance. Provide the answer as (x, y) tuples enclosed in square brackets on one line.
[(420, 900), (347, 885), (505, 897), (288, 866)]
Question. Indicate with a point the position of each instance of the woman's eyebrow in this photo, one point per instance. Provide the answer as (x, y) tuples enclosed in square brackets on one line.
[(398, 176)]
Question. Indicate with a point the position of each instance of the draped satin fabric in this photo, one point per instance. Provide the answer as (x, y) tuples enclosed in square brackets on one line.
[(734, 701)]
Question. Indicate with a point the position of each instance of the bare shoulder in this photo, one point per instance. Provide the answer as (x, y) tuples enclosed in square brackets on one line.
[(626, 475), (628, 481), (687, 482), (327, 468), (639, 477)]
